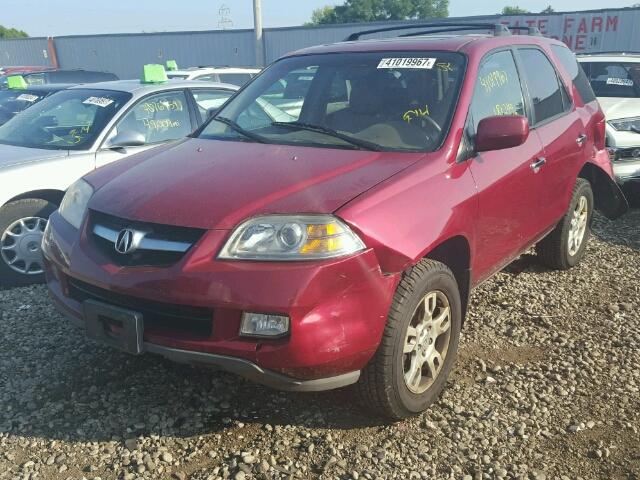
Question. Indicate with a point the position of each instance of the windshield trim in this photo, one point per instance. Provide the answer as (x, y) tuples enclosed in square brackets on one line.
[(446, 129)]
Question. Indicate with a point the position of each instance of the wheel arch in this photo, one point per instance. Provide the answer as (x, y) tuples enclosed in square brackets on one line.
[(608, 196), (50, 195), (455, 253)]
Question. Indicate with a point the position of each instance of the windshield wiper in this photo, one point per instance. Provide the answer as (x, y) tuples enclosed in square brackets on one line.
[(362, 144), (237, 128)]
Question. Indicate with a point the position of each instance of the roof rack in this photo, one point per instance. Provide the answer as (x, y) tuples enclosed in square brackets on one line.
[(498, 29)]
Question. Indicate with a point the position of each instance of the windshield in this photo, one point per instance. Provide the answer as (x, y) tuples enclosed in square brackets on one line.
[(613, 79), (177, 76), (68, 120), (13, 102), (389, 101)]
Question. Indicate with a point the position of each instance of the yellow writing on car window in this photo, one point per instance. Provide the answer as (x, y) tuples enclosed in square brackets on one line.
[(76, 134), (493, 80), (445, 67), (157, 125), (409, 115), (162, 106), (505, 109)]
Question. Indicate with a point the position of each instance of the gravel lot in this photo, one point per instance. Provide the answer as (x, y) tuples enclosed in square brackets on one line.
[(546, 386)]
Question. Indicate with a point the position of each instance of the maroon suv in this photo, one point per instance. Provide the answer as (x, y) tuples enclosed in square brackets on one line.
[(328, 232)]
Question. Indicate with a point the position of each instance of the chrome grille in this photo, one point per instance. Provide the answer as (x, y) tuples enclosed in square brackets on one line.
[(151, 244)]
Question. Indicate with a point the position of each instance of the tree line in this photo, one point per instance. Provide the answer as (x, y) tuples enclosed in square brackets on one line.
[(11, 33), (353, 11)]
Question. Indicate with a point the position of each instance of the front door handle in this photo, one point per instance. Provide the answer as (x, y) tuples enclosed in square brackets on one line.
[(581, 139), (539, 162)]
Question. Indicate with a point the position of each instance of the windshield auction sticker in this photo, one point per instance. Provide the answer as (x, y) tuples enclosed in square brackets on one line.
[(620, 81), (407, 62), (99, 101), (28, 98)]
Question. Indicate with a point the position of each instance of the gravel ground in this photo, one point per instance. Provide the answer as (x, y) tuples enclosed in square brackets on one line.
[(546, 386)]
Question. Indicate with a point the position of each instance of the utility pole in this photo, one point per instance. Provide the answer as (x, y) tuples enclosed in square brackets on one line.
[(257, 27)]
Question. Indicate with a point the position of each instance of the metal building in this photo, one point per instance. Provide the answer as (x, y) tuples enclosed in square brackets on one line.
[(124, 54)]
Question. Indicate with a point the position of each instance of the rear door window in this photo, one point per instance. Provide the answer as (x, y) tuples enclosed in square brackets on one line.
[(498, 90), (158, 118), (544, 86), (578, 77)]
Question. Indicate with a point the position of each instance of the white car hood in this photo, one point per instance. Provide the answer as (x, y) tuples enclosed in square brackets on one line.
[(616, 107), (11, 156)]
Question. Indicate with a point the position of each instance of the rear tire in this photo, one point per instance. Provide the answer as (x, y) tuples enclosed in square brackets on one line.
[(21, 227), (421, 338), (566, 245)]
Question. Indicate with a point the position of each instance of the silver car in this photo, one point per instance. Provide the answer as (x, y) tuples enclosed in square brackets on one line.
[(47, 147)]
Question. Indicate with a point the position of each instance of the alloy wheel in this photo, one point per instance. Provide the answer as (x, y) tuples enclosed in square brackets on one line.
[(578, 226), (427, 341)]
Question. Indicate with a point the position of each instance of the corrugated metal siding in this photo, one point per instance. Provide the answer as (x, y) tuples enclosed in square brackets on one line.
[(597, 31), (124, 55), (593, 31), (24, 51)]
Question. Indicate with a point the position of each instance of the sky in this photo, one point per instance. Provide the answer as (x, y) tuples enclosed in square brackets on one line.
[(69, 17)]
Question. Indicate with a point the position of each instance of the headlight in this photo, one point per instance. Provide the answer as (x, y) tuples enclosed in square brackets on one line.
[(626, 124), (291, 237), (75, 201)]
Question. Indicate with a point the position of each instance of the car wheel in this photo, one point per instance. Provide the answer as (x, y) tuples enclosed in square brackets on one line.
[(565, 246), (22, 225), (419, 344)]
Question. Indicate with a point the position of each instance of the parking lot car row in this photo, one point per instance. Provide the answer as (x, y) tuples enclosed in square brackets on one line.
[(331, 235), (64, 136)]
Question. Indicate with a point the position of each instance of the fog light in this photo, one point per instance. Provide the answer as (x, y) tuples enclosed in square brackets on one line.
[(263, 325)]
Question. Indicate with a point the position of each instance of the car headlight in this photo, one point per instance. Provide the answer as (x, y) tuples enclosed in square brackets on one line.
[(626, 124), (291, 237), (75, 201)]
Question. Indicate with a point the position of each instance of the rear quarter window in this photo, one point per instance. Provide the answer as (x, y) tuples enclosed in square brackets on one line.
[(568, 60)]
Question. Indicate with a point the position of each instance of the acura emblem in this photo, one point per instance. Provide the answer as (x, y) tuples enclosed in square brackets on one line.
[(124, 241)]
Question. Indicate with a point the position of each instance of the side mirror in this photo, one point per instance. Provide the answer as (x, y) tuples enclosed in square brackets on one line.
[(126, 138), (498, 133), (211, 112)]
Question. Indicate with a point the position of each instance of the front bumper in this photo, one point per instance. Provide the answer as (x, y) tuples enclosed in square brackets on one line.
[(337, 308), (625, 163)]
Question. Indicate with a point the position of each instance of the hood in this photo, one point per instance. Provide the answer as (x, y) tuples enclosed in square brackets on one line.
[(616, 107), (216, 184), (11, 156)]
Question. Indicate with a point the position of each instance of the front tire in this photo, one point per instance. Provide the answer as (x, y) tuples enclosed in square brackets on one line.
[(419, 345), (566, 245), (22, 225)]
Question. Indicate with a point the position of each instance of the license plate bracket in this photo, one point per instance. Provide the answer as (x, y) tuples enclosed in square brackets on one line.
[(114, 326)]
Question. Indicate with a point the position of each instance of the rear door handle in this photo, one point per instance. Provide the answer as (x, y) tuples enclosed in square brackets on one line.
[(581, 139), (539, 162)]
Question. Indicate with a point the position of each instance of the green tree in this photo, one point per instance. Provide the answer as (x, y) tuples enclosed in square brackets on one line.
[(380, 10), (11, 33), (513, 10), (549, 9)]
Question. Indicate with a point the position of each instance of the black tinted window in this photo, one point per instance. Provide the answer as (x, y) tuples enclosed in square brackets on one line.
[(569, 62), (497, 90), (544, 86), (614, 79)]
